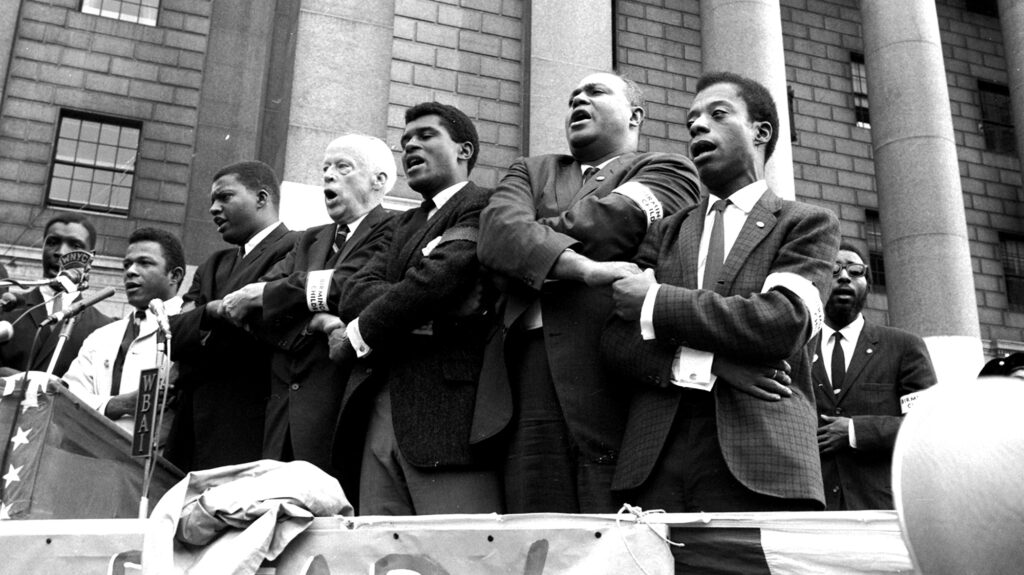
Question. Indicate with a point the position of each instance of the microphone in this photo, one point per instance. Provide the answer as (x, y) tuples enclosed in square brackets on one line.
[(79, 306), (156, 307), (67, 280), (9, 301)]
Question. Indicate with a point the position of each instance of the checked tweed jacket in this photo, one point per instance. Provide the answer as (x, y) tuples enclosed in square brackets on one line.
[(770, 447)]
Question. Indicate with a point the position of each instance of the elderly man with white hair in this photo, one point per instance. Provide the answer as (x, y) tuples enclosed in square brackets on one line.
[(296, 303)]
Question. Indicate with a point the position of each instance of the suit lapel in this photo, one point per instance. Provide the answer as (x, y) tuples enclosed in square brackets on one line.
[(320, 253), (243, 272), (48, 336), (361, 232), (689, 242), (818, 374), (758, 225), (863, 354), (568, 181), (597, 180), (430, 229)]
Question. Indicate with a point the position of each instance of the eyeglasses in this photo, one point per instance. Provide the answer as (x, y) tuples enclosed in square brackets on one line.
[(855, 270)]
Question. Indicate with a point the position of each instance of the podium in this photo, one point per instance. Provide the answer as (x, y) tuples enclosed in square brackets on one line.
[(63, 460)]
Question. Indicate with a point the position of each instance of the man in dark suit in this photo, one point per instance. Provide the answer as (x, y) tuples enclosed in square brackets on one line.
[(731, 292), (224, 372), (64, 233), (552, 231), (864, 386), (297, 301), (417, 318)]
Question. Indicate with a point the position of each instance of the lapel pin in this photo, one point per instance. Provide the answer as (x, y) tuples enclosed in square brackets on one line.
[(760, 224), (869, 351), (599, 178), (815, 358)]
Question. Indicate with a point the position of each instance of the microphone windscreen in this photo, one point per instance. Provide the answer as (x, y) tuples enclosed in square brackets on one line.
[(6, 331)]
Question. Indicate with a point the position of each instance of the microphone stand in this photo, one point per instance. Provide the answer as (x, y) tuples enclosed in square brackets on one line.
[(163, 360)]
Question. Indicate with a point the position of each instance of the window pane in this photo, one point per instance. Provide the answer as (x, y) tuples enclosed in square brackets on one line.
[(120, 197), (86, 153), (129, 138), (70, 127), (109, 134), (66, 150), (100, 195), (90, 132), (105, 156), (60, 189), (125, 159), (79, 192), (148, 16), (62, 171)]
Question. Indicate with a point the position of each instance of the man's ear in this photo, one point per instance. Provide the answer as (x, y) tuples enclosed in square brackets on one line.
[(178, 276), (763, 134), (636, 116), (465, 151), (262, 197), (380, 180)]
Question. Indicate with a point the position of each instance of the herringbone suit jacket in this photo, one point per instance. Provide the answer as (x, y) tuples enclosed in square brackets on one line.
[(770, 447), (887, 364)]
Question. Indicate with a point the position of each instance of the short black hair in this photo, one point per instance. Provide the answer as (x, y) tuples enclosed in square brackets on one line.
[(759, 101), (848, 246), (255, 176), (458, 124), (174, 253), (73, 218)]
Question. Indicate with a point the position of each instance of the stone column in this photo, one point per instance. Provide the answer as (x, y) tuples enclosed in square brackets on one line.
[(745, 37), (1011, 16), (567, 41), (342, 79), (928, 262)]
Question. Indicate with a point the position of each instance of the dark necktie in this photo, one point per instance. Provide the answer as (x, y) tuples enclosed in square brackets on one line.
[(716, 247), (838, 363), (340, 236), (589, 172), (130, 333)]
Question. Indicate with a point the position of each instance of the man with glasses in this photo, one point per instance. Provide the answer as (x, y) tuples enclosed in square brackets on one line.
[(864, 386)]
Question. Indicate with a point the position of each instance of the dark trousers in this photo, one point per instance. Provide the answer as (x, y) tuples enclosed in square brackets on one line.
[(544, 470), (691, 474)]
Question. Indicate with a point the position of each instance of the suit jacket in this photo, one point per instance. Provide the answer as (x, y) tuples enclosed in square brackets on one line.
[(224, 372), (541, 208), (14, 353), (887, 364), (770, 447), (423, 310), (305, 385)]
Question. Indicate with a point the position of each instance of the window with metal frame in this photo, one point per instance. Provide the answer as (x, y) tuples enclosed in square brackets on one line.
[(996, 118), (876, 257), (1012, 248), (138, 11), (94, 163), (859, 77)]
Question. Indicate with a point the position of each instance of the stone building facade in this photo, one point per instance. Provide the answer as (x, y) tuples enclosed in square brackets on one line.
[(900, 115)]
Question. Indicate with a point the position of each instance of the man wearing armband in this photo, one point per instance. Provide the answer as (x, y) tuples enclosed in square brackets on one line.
[(711, 337)]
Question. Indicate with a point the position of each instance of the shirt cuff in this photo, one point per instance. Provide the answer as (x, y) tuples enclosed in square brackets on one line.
[(853, 435), (356, 339), (647, 313), (691, 369)]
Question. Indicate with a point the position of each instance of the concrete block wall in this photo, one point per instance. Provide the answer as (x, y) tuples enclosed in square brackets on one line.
[(63, 58), (468, 54)]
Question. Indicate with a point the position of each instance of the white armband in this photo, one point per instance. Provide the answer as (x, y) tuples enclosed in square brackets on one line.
[(644, 198), (804, 290), (318, 284)]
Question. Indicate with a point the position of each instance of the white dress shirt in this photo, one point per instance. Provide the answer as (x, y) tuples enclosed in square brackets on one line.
[(691, 367)]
